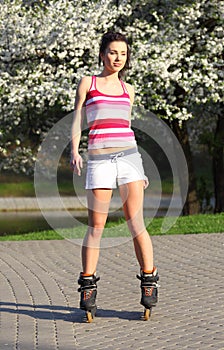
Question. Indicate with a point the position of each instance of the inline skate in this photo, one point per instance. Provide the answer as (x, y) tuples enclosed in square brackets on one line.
[(149, 291), (88, 290)]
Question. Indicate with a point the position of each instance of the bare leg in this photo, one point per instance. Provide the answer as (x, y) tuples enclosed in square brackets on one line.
[(98, 206), (132, 195)]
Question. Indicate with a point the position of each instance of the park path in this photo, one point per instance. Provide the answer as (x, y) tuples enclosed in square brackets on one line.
[(39, 298), (152, 202)]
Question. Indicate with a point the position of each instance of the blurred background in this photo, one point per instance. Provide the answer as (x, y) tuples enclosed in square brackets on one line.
[(177, 71)]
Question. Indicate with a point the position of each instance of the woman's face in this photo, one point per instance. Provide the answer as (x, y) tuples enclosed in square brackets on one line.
[(115, 56)]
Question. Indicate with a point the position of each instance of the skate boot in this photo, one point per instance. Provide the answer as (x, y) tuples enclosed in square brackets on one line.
[(149, 288), (88, 290)]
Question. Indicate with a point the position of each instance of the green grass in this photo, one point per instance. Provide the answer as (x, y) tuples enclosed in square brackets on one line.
[(20, 189), (202, 223), (26, 189), (32, 236)]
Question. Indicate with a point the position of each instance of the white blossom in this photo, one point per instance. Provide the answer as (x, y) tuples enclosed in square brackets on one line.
[(44, 53)]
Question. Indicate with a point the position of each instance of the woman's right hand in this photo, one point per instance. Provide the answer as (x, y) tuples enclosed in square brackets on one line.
[(76, 164)]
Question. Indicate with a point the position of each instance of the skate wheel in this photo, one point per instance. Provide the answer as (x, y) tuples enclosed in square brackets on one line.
[(90, 315), (147, 314)]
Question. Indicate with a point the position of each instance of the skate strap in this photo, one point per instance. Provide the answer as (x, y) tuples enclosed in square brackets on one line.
[(141, 278), (93, 287), (149, 284)]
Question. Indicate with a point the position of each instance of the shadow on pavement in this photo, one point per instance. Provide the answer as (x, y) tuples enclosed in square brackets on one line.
[(68, 314)]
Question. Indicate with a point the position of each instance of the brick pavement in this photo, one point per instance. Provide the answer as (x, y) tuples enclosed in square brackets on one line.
[(39, 299)]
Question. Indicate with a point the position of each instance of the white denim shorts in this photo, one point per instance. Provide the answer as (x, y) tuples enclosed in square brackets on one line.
[(114, 169)]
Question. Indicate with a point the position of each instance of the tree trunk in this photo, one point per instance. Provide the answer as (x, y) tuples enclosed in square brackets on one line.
[(218, 165), (191, 205)]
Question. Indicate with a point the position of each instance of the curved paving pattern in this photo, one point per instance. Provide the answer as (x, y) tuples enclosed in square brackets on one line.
[(39, 299)]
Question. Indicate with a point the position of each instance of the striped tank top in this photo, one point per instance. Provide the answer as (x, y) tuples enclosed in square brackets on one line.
[(108, 118)]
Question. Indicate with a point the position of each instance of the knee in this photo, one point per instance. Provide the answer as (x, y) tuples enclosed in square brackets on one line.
[(96, 230), (93, 237), (136, 227)]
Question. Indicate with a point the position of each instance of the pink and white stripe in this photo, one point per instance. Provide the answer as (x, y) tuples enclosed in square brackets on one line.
[(108, 118)]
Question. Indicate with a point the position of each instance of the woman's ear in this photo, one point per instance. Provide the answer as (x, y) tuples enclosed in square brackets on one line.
[(102, 57)]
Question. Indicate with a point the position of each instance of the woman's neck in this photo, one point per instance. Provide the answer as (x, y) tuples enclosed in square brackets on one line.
[(108, 76)]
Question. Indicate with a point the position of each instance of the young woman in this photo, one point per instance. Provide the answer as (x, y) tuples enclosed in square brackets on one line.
[(113, 159)]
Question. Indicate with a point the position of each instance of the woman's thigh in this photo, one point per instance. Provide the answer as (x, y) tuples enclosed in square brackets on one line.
[(132, 195), (98, 206)]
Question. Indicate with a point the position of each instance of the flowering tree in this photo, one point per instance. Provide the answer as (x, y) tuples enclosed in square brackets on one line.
[(46, 46), (178, 68)]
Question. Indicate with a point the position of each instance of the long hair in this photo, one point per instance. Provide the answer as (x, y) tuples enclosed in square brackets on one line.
[(109, 37)]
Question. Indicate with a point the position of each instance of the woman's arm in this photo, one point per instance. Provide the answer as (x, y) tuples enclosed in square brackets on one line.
[(131, 93), (82, 89)]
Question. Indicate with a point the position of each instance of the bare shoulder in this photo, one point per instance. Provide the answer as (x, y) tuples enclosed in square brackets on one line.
[(130, 87), (131, 91), (81, 91), (85, 83)]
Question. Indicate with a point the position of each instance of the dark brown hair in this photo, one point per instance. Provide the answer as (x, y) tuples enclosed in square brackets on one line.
[(109, 37)]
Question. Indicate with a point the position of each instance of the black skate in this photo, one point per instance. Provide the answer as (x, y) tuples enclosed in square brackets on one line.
[(88, 291), (149, 288)]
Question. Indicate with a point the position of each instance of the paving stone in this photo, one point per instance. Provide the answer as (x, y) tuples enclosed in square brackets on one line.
[(40, 303)]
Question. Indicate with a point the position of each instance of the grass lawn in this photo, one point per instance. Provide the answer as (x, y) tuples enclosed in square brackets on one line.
[(203, 223)]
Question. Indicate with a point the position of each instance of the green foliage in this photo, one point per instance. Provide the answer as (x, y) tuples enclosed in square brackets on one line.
[(204, 195)]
